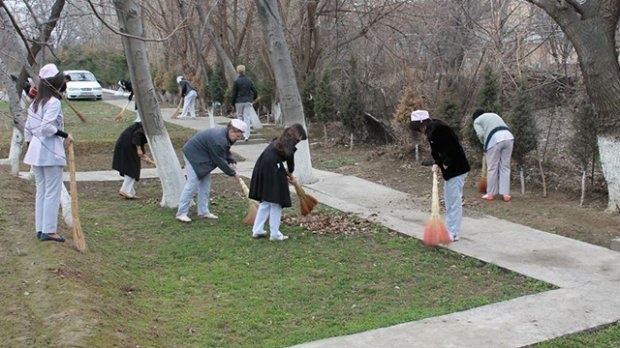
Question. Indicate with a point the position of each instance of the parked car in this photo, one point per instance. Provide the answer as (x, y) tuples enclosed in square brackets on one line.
[(83, 85)]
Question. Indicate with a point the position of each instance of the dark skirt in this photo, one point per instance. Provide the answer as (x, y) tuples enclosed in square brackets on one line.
[(269, 180), (126, 159)]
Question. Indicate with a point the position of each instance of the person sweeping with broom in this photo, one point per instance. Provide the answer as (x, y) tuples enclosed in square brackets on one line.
[(450, 161), (270, 180)]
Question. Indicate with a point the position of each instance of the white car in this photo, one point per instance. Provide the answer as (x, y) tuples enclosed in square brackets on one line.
[(83, 85)]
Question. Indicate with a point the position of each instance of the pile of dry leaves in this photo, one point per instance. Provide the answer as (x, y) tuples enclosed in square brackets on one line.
[(326, 223)]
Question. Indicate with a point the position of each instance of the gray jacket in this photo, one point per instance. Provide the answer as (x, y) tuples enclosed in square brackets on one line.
[(209, 149)]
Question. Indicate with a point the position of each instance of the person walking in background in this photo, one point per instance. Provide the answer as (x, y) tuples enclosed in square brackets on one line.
[(45, 135), (497, 141), (128, 152), (189, 94), (205, 151), (243, 94), (450, 161), (270, 180)]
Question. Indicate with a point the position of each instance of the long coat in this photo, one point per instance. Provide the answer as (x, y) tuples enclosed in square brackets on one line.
[(269, 179), (126, 159), (446, 150), (41, 132)]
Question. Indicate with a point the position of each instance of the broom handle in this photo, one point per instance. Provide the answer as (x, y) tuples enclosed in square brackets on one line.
[(435, 195), (484, 164), (75, 213), (77, 112)]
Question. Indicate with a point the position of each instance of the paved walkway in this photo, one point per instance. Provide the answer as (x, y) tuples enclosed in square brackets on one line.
[(588, 276)]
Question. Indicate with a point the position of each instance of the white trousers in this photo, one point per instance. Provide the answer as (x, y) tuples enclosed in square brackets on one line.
[(48, 181), (453, 196), (243, 113), (193, 185), (498, 168), (189, 105), (128, 184), (271, 211)]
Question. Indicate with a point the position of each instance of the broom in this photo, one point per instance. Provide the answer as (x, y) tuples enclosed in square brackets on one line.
[(175, 114), (306, 201), (252, 205), (482, 184), (121, 115), (77, 112), (435, 232), (78, 236)]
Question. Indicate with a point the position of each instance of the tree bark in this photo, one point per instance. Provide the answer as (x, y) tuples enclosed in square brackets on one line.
[(282, 65), (129, 14), (590, 26), (19, 118)]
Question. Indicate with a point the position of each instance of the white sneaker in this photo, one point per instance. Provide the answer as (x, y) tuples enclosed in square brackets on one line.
[(455, 238), (280, 237), (208, 216), (259, 235), (184, 218)]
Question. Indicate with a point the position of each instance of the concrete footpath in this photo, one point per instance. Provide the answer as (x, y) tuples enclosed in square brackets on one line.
[(587, 276)]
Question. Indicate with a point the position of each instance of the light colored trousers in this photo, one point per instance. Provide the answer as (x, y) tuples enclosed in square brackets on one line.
[(128, 183), (189, 105), (453, 196), (48, 181), (243, 113), (193, 185), (271, 211), (498, 168)]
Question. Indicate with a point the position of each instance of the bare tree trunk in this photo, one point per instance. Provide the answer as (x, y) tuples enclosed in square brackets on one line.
[(286, 83), (129, 14), (19, 117)]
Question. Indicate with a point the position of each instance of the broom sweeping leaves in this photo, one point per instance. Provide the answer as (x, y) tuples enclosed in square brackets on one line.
[(175, 114), (306, 201), (435, 232), (121, 115), (252, 205), (482, 184)]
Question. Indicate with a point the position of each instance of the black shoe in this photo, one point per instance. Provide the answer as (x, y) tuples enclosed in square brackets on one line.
[(39, 234), (46, 237)]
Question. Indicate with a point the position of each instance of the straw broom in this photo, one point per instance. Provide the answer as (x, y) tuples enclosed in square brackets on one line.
[(78, 236), (306, 201), (252, 205), (435, 232), (77, 112), (482, 184), (121, 115), (175, 114)]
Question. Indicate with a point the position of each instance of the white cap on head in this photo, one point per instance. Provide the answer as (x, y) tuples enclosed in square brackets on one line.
[(240, 125), (419, 115), (179, 78), (48, 70)]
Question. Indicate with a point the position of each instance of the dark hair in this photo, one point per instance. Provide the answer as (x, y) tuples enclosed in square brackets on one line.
[(477, 113), (415, 125), (292, 132), (48, 88)]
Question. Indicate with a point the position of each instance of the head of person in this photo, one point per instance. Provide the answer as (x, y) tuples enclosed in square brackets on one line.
[(477, 113), (235, 130), (293, 133), (419, 120), (53, 83), (241, 69), (180, 78)]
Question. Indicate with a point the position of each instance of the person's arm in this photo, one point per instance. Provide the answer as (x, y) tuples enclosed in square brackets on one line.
[(290, 159), (233, 95), (219, 156), (479, 131), (51, 110)]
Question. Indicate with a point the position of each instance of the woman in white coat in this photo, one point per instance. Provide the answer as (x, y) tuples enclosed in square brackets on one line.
[(44, 133)]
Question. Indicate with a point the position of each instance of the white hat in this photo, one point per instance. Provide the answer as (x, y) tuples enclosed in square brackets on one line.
[(179, 78), (47, 71), (240, 125), (419, 115)]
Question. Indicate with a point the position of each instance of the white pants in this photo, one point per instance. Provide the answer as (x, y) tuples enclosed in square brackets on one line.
[(189, 105), (498, 168), (127, 186), (193, 185), (453, 196), (271, 211), (48, 181), (243, 113)]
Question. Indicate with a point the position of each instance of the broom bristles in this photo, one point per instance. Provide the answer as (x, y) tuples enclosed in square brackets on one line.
[(307, 202), (251, 215), (175, 114), (435, 232)]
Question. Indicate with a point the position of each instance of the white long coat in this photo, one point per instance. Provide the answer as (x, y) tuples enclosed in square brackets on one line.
[(46, 148)]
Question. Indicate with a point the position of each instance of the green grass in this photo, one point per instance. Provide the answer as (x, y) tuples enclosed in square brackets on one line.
[(605, 337), (209, 284), (331, 164)]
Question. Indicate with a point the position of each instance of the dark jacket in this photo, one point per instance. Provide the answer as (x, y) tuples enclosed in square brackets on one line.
[(243, 90), (209, 149), (446, 149), (269, 179), (186, 87), (125, 158)]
